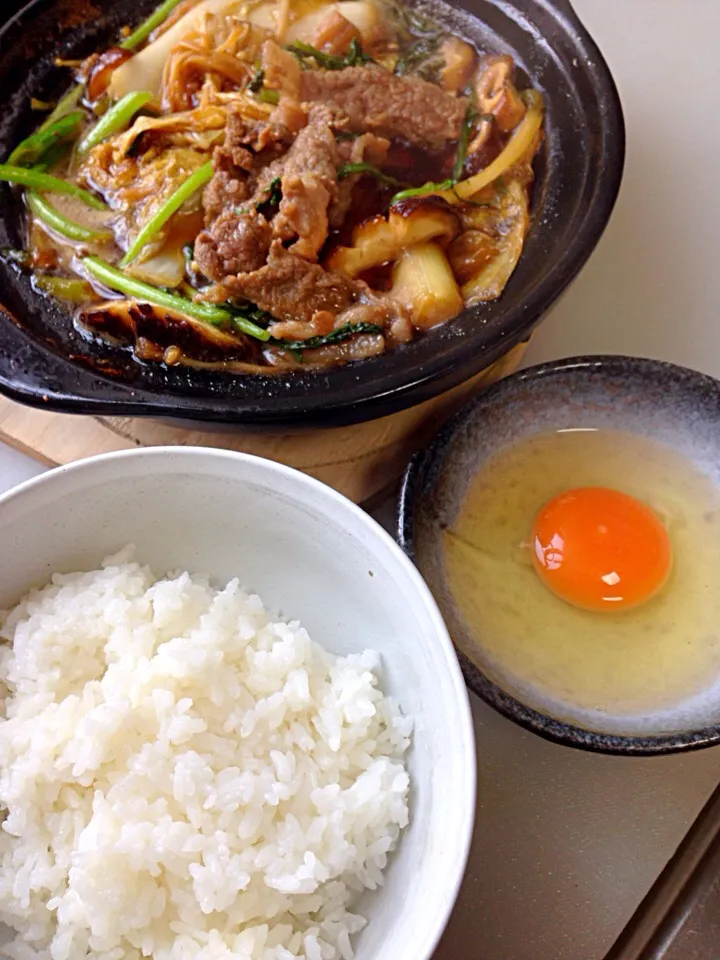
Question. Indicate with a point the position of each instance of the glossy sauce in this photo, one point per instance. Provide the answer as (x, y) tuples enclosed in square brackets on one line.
[(648, 669)]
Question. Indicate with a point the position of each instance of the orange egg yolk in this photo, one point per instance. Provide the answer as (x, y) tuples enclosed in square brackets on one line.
[(600, 549)]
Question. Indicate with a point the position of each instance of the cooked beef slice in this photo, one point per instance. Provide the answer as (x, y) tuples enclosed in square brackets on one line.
[(376, 101), (309, 184), (308, 175), (289, 287), (237, 244), (246, 151), (367, 148)]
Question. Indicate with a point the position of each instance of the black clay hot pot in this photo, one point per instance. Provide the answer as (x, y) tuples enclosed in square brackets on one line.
[(44, 362)]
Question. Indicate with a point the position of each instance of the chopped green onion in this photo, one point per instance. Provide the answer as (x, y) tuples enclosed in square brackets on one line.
[(117, 117), (44, 183), (53, 156), (115, 279), (257, 86), (66, 105), (273, 199), (349, 168), (63, 288), (463, 142), (329, 61), (170, 207), (152, 23), (268, 96), (336, 336), (423, 191), (32, 150), (252, 314), (67, 228)]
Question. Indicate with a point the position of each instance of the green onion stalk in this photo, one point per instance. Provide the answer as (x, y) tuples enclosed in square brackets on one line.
[(342, 333), (61, 224), (427, 188), (116, 280), (117, 118), (44, 183), (63, 288), (350, 168), (155, 224), (67, 104), (155, 20), (35, 148)]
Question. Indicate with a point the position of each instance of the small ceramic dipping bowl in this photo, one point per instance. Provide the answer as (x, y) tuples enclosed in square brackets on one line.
[(671, 405)]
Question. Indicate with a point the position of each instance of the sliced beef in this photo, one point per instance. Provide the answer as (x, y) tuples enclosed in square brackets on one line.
[(366, 148), (236, 151), (309, 184), (376, 101), (266, 254), (308, 175), (233, 164), (236, 244), (222, 193), (289, 287)]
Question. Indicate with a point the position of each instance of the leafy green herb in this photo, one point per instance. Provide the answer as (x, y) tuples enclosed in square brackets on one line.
[(419, 39), (463, 142), (421, 58), (329, 61), (337, 336), (258, 81), (274, 196), (34, 148), (44, 183), (343, 135), (349, 169), (410, 22), (257, 86), (423, 191), (155, 20)]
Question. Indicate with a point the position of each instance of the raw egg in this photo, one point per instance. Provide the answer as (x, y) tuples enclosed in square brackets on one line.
[(601, 549), (598, 605)]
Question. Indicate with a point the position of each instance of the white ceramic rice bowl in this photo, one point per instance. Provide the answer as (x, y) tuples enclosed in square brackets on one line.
[(316, 557)]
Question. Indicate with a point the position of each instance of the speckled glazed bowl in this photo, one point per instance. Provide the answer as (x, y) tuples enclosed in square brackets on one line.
[(668, 404)]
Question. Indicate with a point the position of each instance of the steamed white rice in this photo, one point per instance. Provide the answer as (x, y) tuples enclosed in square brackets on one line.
[(185, 777)]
